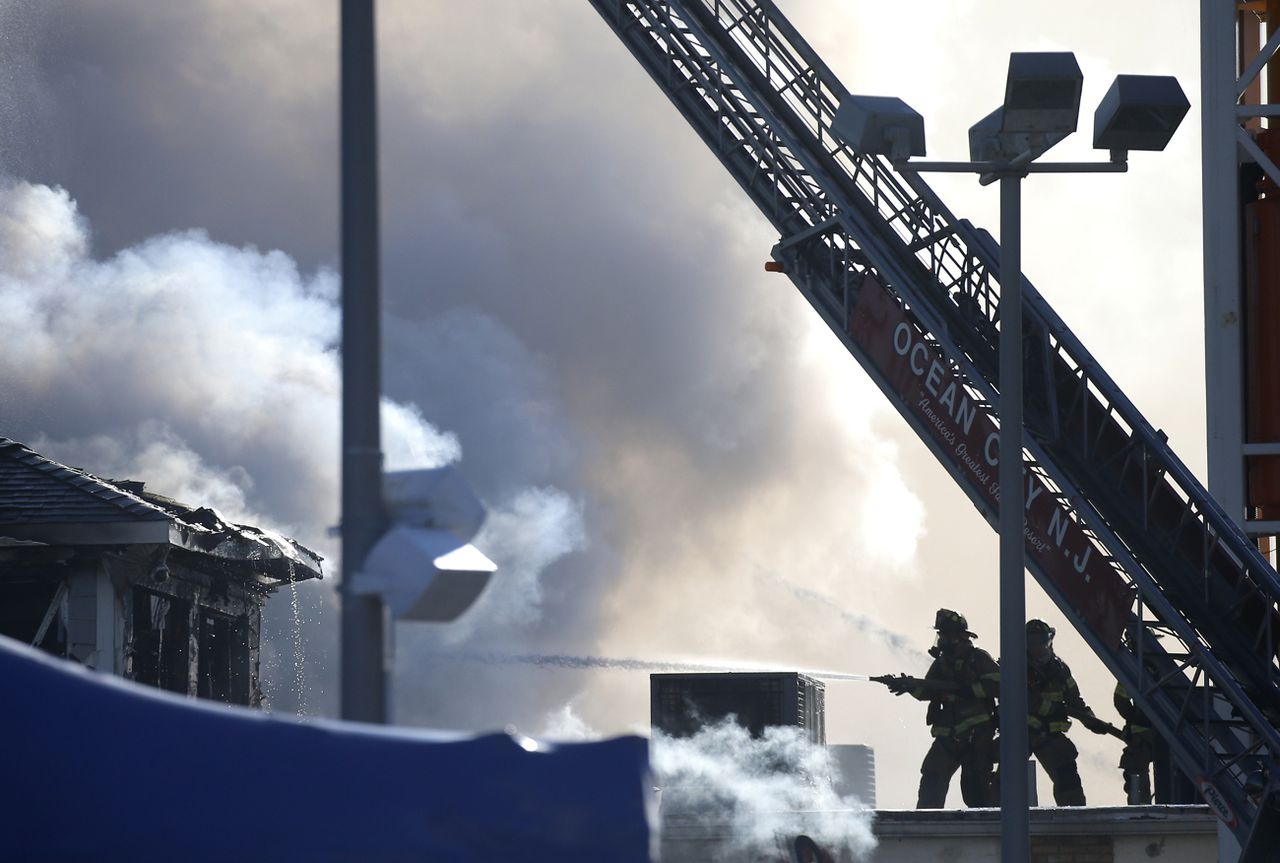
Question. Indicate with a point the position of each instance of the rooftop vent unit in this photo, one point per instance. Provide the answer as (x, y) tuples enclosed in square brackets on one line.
[(682, 704)]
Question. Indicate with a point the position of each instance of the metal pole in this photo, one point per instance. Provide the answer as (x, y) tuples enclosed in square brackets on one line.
[(1015, 828), (363, 662), (1223, 241), (1223, 278)]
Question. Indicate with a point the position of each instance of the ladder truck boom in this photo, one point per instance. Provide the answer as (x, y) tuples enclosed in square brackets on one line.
[(1113, 515)]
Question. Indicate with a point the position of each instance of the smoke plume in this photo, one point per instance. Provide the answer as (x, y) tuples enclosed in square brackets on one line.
[(212, 373), (759, 792)]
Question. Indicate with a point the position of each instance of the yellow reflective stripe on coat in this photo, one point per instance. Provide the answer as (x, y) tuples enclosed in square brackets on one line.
[(960, 727)]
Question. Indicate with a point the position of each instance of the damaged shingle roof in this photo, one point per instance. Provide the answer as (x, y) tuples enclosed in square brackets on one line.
[(43, 500), (37, 490)]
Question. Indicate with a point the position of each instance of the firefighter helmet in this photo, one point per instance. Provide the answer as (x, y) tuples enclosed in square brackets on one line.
[(951, 622), (1039, 634)]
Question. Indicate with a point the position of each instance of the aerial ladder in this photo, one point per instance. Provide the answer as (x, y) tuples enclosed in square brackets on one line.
[(1120, 533)]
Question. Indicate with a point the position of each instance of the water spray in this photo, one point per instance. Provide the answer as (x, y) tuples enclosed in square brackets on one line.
[(835, 675), (606, 663)]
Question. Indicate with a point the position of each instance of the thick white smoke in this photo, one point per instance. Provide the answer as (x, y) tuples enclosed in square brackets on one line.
[(743, 795), (567, 725), (208, 370), (757, 793), (211, 372)]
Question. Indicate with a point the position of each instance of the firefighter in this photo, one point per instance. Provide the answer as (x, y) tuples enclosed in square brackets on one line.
[(1139, 737), (1053, 698), (961, 687), (1139, 749)]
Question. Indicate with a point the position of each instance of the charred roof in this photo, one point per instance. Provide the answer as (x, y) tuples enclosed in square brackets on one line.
[(42, 500)]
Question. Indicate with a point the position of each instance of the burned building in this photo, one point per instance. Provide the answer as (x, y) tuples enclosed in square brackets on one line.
[(104, 573)]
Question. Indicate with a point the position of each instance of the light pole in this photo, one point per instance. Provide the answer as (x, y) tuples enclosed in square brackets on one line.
[(405, 534), (1015, 833), (363, 522), (1041, 107)]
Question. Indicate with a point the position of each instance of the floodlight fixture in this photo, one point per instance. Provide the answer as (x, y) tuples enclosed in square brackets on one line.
[(1139, 112), (990, 142), (1042, 93), (423, 567), (880, 125), (424, 575), (438, 497)]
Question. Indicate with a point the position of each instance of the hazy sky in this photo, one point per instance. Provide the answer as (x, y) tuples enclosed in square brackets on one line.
[(681, 462)]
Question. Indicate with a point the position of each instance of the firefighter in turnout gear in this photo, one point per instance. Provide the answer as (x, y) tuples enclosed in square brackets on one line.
[(1053, 699), (1138, 735), (961, 687), (1139, 749)]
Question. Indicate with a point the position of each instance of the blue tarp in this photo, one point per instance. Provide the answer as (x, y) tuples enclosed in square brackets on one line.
[(97, 768)]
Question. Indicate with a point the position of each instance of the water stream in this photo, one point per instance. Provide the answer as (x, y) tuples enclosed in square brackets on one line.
[(299, 661), (620, 664)]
